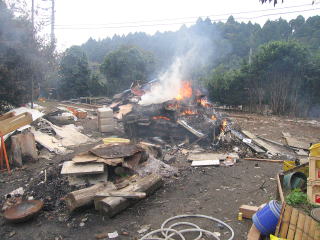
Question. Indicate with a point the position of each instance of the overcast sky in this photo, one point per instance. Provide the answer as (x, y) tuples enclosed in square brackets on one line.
[(77, 20)]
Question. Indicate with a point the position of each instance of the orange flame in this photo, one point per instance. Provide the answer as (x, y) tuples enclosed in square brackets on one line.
[(224, 125), (161, 117), (213, 117), (185, 91), (204, 102), (188, 112)]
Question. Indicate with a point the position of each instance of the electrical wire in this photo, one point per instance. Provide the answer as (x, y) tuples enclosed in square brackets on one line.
[(169, 232), (196, 17), (180, 23)]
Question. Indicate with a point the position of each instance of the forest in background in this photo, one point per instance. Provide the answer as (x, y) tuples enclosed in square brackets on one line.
[(275, 65)]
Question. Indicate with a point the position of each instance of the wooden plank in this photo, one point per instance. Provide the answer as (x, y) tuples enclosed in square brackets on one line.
[(254, 233), (293, 142), (262, 143), (206, 156), (133, 195), (264, 160), (317, 232), (13, 123), (293, 224), (190, 129), (247, 210), (200, 163), (281, 195), (300, 226), (241, 137), (88, 157), (71, 168), (306, 227), (312, 230), (285, 221), (280, 219), (6, 116)]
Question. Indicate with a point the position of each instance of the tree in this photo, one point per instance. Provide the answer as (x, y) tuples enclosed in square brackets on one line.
[(125, 65), (22, 57), (74, 74), (278, 74)]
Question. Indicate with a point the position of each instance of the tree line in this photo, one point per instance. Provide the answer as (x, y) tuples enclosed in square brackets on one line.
[(275, 65)]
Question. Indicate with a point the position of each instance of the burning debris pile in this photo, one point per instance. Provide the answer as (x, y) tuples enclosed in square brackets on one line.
[(187, 117)]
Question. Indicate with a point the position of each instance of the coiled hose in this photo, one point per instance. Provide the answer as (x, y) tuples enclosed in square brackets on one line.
[(169, 232)]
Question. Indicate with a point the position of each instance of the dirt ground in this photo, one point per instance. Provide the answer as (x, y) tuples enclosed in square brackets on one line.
[(213, 191)]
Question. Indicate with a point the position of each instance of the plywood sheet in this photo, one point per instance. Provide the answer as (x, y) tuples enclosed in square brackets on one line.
[(69, 167)]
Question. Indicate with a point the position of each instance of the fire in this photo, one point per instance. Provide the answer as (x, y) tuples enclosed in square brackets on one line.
[(213, 117), (224, 125), (204, 102), (185, 91), (188, 112), (161, 117)]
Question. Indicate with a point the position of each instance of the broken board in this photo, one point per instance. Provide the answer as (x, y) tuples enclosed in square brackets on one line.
[(69, 167), (262, 143), (88, 157), (200, 163), (206, 156), (293, 142)]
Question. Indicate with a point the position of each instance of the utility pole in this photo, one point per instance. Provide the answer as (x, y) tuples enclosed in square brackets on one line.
[(52, 25), (32, 76)]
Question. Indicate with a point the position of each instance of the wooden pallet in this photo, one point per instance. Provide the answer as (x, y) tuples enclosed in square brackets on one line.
[(296, 225)]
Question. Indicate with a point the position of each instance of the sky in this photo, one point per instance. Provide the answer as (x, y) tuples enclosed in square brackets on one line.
[(78, 20)]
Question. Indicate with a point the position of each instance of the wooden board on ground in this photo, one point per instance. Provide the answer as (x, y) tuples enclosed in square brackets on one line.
[(247, 211), (203, 163), (254, 233), (206, 156), (262, 143), (69, 167), (88, 157), (293, 142)]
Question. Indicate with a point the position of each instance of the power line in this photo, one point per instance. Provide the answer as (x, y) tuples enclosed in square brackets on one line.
[(196, 17), (179, 23)]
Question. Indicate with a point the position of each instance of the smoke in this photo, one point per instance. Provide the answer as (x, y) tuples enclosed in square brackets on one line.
[(168, 86), (193, 52)]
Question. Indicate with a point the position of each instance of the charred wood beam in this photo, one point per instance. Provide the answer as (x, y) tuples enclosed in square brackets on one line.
[(190, 129)]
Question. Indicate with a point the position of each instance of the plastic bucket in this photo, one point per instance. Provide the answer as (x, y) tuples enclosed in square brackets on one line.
[(295, 180), (266, 219)]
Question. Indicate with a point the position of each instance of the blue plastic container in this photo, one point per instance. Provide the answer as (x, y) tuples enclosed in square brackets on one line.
[(266, 219)]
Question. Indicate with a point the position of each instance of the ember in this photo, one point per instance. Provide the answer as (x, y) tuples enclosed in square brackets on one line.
[(160, 117), (188, 112), (204, 102), (185, 91), (224, 125)]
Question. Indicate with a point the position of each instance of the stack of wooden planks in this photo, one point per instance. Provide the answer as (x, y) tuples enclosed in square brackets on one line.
[(296, 225)]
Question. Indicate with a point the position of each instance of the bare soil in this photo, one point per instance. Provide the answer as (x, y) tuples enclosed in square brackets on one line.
[(213, 191)]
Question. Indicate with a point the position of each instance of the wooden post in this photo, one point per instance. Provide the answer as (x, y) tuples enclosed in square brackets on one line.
[(85, 196), (113, 205)]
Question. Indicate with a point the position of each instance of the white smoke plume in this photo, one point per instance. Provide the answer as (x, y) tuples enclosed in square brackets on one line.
[(168, 86)]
